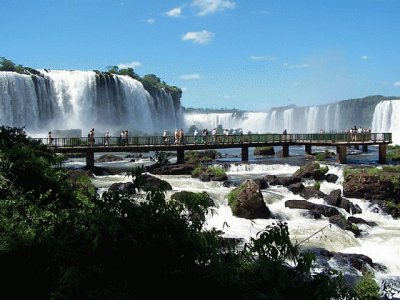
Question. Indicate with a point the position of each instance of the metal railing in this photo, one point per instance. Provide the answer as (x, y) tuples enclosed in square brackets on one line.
[(268, 138)]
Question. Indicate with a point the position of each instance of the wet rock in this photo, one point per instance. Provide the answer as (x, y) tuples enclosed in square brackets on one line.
[(175, 169), (249, 202), (262, 183), (108, 158), (368, 186), (288, 180), (332, 178), (355, 220), (295, 188), (344, 224), (315, 209), (310, 192), (310, 170)]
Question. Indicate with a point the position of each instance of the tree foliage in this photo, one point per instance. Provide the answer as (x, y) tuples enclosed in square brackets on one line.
[(60, 241)]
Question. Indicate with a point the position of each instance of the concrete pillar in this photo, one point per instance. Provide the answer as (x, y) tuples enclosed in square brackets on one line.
[(285, 150), (180, 156), (364, 148), (245, 153), (382, 153), (308, 149), (90, 158), (341, 153)]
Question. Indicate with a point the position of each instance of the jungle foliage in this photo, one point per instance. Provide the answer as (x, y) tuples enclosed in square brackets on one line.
[(63, 241)]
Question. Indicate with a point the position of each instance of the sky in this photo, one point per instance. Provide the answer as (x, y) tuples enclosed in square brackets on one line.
[(234, 54)]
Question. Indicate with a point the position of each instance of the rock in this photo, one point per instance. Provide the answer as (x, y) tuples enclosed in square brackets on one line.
[(355, 220), (249, 202), (288, 180), (264, 151), (332, 178), (310, 191), (310, 170), (335, 199), (295, 188), (271, 179), (363, 185), (344, 224), (123, 188), (151, 183), (108, 158), (315, 209), (262, 183), (175, 169)]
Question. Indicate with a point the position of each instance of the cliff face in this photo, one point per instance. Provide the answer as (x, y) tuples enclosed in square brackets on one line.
[(77, 99)]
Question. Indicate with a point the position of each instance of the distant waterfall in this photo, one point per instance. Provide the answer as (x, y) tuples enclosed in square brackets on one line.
[(84, 99), (293, 119), (387, 119)]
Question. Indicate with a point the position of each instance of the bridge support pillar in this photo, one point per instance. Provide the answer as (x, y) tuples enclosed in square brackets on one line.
[(382, 153), (245, 153), (341, 153), (308, 149), (180, 156), (364, 148), (89, 158), (285, 150)]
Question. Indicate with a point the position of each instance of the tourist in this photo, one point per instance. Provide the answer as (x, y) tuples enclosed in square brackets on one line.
[(177, 139), (181, 137), (91, 137), (121, 138), (107, 139), (213, 134), (50, 139), (165, 137), (195, 133), (126, 138)]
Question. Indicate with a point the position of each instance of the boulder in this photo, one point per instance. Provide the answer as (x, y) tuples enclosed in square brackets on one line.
[(310, 170), (262, 183), (175, 169), (335, 199), (363, 185), (315, 209), (310, 191), (344, 224), (249, 202), (332, 178), (355, 220), (288, 180), (295, 188)]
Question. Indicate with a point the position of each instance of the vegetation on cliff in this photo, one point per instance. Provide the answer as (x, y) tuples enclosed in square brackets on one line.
[(60, 240), (150, 82)]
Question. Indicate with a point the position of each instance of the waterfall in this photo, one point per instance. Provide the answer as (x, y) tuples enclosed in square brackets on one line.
[(294, 119), (83, 99), (387, 119)]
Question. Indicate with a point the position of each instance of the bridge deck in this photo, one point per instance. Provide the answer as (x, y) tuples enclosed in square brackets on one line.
[(245, 141)]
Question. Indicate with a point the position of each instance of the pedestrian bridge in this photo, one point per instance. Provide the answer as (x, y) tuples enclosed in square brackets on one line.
[(244, 141)]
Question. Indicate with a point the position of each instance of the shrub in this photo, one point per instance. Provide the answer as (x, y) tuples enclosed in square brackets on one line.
[(366, 288)]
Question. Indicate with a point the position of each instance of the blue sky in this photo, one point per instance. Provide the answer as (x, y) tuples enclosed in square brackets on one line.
[(244, 54)]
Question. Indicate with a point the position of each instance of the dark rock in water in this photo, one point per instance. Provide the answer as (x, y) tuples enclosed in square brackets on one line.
[(264, 151), (271, 179), (229, 183), (315, 209), (310, 170), (344, 224), (355, 220), (368, 187), (331, 178), (262, 183), (154, 183), (357, 261), (310, 191), (176, 169), (249, 202), (98, 171), (123, 188), (295, 188), (108, 158), (335, 199), (288, 180)]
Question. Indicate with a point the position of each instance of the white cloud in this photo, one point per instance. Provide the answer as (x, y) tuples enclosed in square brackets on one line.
[(175, 12), (262, 57), (207, 7), (229, 96), (297, 66), (397, 84), (364, 57), (150, 21), (199, 37), (132, 65), (190, 77)]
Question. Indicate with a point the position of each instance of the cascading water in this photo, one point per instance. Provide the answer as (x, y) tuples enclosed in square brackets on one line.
[(387, 119), (83, 99), (294, 119)]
